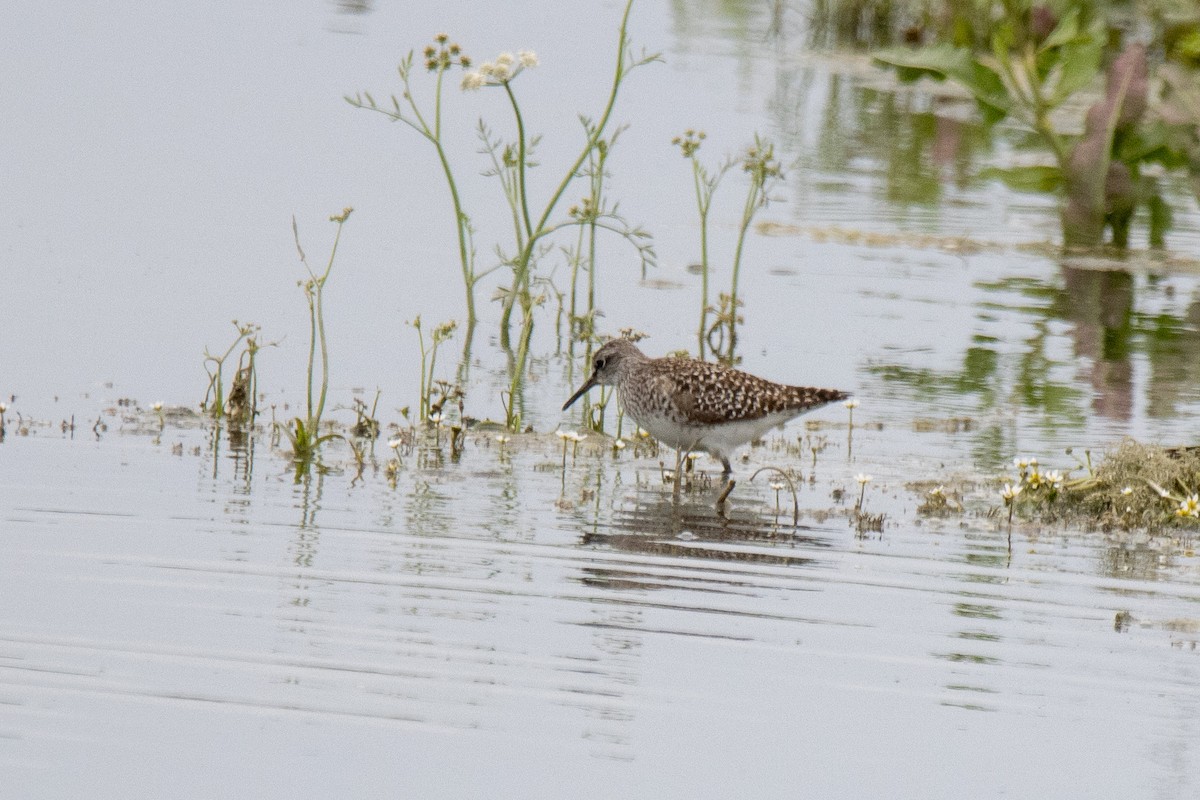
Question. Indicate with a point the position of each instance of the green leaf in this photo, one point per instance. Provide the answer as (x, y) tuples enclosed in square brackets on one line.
[(944, 61), (1035, 178), (989, 91), (939, 62), (1149, 142), (1079, 64), (1066, 30)]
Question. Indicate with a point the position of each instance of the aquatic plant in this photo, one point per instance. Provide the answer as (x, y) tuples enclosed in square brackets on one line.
[(510, 164), (1134, 486), (305, 435), (1027, 66), (779, 486), (759, 163), (938, 502), (582, 255), (440, 334), (439, 58), (366, 423), (1009, 494), (592, 212), (850, 405), (241, 406), (862, 479), (574, 437), (705, 184)]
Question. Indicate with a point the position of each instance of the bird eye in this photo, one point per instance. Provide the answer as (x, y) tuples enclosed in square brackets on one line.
[(600, 362)]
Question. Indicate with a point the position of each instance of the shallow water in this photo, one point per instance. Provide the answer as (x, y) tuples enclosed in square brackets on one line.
[(189, 621), (482, 628)]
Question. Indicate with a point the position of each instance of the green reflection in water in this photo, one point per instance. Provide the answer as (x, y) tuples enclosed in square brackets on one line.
[(1061, 390)]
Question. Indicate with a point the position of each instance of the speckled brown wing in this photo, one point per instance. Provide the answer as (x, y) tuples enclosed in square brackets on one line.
[(707, 393)]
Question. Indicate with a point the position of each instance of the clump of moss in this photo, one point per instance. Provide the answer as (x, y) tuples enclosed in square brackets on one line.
[(1138, 486)]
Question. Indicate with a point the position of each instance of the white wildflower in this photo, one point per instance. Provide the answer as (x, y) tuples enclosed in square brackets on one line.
[(472, 80), (527, 58), (862, 478), (1034, 478), (1189, 507), (1010, 492)]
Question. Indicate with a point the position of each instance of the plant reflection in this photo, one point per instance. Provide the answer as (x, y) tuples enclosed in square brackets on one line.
[(1107, 331)]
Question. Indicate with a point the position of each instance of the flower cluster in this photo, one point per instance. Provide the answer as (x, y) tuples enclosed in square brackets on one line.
[(1189, 507), (760, 162), (1188, 504), (1039, 486), (501, 71), (1032, 477), (584, 210), (689, 143), (444, 54)]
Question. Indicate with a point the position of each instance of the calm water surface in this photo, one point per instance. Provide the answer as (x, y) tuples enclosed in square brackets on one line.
[(184, 620)]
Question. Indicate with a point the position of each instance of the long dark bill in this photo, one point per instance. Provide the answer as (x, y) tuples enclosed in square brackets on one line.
[(589, 383)]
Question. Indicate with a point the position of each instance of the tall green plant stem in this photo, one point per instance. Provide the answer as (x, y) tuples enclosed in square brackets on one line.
[(462, 222), (521, 158), (703, 203), (434, 135), (521, 265), (1021, 76), (316, 314), (753, 200)]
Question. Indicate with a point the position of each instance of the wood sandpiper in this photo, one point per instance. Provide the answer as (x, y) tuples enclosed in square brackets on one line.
[(695, 405)]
